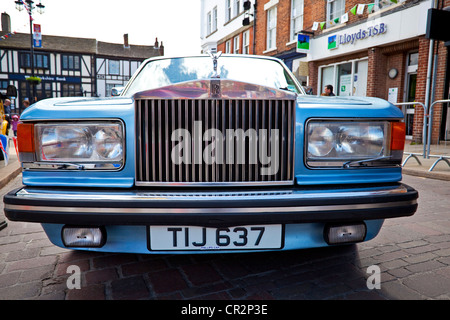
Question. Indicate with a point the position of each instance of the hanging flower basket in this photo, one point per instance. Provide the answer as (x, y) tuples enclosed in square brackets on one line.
[(34, 80)]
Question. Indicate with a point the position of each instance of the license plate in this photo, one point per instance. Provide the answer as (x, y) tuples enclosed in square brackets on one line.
[(202, 238)]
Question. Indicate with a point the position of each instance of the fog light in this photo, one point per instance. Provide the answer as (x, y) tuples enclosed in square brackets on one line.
[(345, 233), (85, 237)]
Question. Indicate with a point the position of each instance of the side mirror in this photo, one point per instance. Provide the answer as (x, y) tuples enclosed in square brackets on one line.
[(117, 91)]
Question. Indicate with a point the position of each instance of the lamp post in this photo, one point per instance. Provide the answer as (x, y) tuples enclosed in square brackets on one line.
[(29, 6)]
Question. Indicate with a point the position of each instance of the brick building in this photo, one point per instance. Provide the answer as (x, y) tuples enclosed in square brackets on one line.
[(374, 48), (222, 26)]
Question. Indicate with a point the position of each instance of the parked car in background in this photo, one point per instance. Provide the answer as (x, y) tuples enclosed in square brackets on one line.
[(210, 154)]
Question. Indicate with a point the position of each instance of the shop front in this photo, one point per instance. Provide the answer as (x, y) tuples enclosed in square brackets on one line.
[(379, 57), (50, 86)]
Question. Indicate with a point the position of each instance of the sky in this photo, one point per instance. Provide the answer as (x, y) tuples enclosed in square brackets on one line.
[(174, 22)]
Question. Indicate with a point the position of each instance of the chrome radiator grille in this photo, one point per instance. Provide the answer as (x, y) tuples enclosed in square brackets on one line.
[(237, 162)]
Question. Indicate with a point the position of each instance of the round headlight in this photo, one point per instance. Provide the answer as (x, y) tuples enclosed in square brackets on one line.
[(108, 143), (359, 141), (348, 141), (375, 141), (320, 141), (60, 143)]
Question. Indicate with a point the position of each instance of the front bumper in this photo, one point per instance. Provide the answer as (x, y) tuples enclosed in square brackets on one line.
[(210, 208)]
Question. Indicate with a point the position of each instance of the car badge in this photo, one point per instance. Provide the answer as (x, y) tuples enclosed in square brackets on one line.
[(215, 57), (215, 91)]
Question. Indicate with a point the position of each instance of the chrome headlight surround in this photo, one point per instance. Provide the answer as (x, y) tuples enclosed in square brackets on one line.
[(350, 143), (79, 145)]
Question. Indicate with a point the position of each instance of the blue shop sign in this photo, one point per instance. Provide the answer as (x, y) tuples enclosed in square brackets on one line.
[(20, 77)]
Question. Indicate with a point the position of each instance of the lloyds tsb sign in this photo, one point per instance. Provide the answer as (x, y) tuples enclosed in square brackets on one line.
[(362, 34)]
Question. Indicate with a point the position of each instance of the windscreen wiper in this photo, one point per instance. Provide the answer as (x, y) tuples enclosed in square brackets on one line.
[(362, 163)]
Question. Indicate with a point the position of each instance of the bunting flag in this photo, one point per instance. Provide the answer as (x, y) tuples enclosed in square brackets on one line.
[(8, 35), (344, 18), (315, 26), (358, 9)]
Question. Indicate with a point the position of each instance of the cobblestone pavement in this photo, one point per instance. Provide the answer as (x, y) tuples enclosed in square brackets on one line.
[(413, 254)]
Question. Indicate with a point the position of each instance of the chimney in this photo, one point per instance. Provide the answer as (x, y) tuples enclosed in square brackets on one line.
[(156, 46), (161, 49), (6, 22), (125, 41)]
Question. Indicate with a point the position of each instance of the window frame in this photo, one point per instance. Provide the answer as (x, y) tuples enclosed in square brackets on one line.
[(113, 67), (330, 16), (246, 42), (336, 80), (271, 32), (25, 60), (294, 16), (68, 68), (236, 44)]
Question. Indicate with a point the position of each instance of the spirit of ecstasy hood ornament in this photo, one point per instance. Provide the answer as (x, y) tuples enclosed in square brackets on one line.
[(215, 56)]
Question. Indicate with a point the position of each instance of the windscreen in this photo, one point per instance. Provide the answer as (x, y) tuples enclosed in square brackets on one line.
[(260, 71)]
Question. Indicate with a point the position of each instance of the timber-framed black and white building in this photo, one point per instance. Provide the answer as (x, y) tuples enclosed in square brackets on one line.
[(68, 66)]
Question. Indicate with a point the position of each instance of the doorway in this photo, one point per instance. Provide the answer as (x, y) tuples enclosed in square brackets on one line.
[(410, 92)]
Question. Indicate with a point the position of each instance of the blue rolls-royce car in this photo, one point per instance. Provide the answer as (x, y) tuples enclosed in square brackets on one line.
[(210, 154)]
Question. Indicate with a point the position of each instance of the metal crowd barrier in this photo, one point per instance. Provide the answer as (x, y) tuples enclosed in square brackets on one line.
[(427, 132)]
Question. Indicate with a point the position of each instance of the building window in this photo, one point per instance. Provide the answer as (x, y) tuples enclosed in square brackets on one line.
[(296, 17), (237, 7), (335, 9), (70, 62), (246, 42), (381, 4), (227, 10), (236, 41), (41, 60), (214, 19), (113, 67), (228, 46), (347, 79), (209, 23), (271, 28), (71, 90)]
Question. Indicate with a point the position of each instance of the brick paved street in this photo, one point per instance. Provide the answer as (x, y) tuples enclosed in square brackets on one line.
[(413, 254)]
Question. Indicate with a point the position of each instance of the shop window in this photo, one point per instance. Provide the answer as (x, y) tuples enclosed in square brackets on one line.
[(347, 79), (344, 80)]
